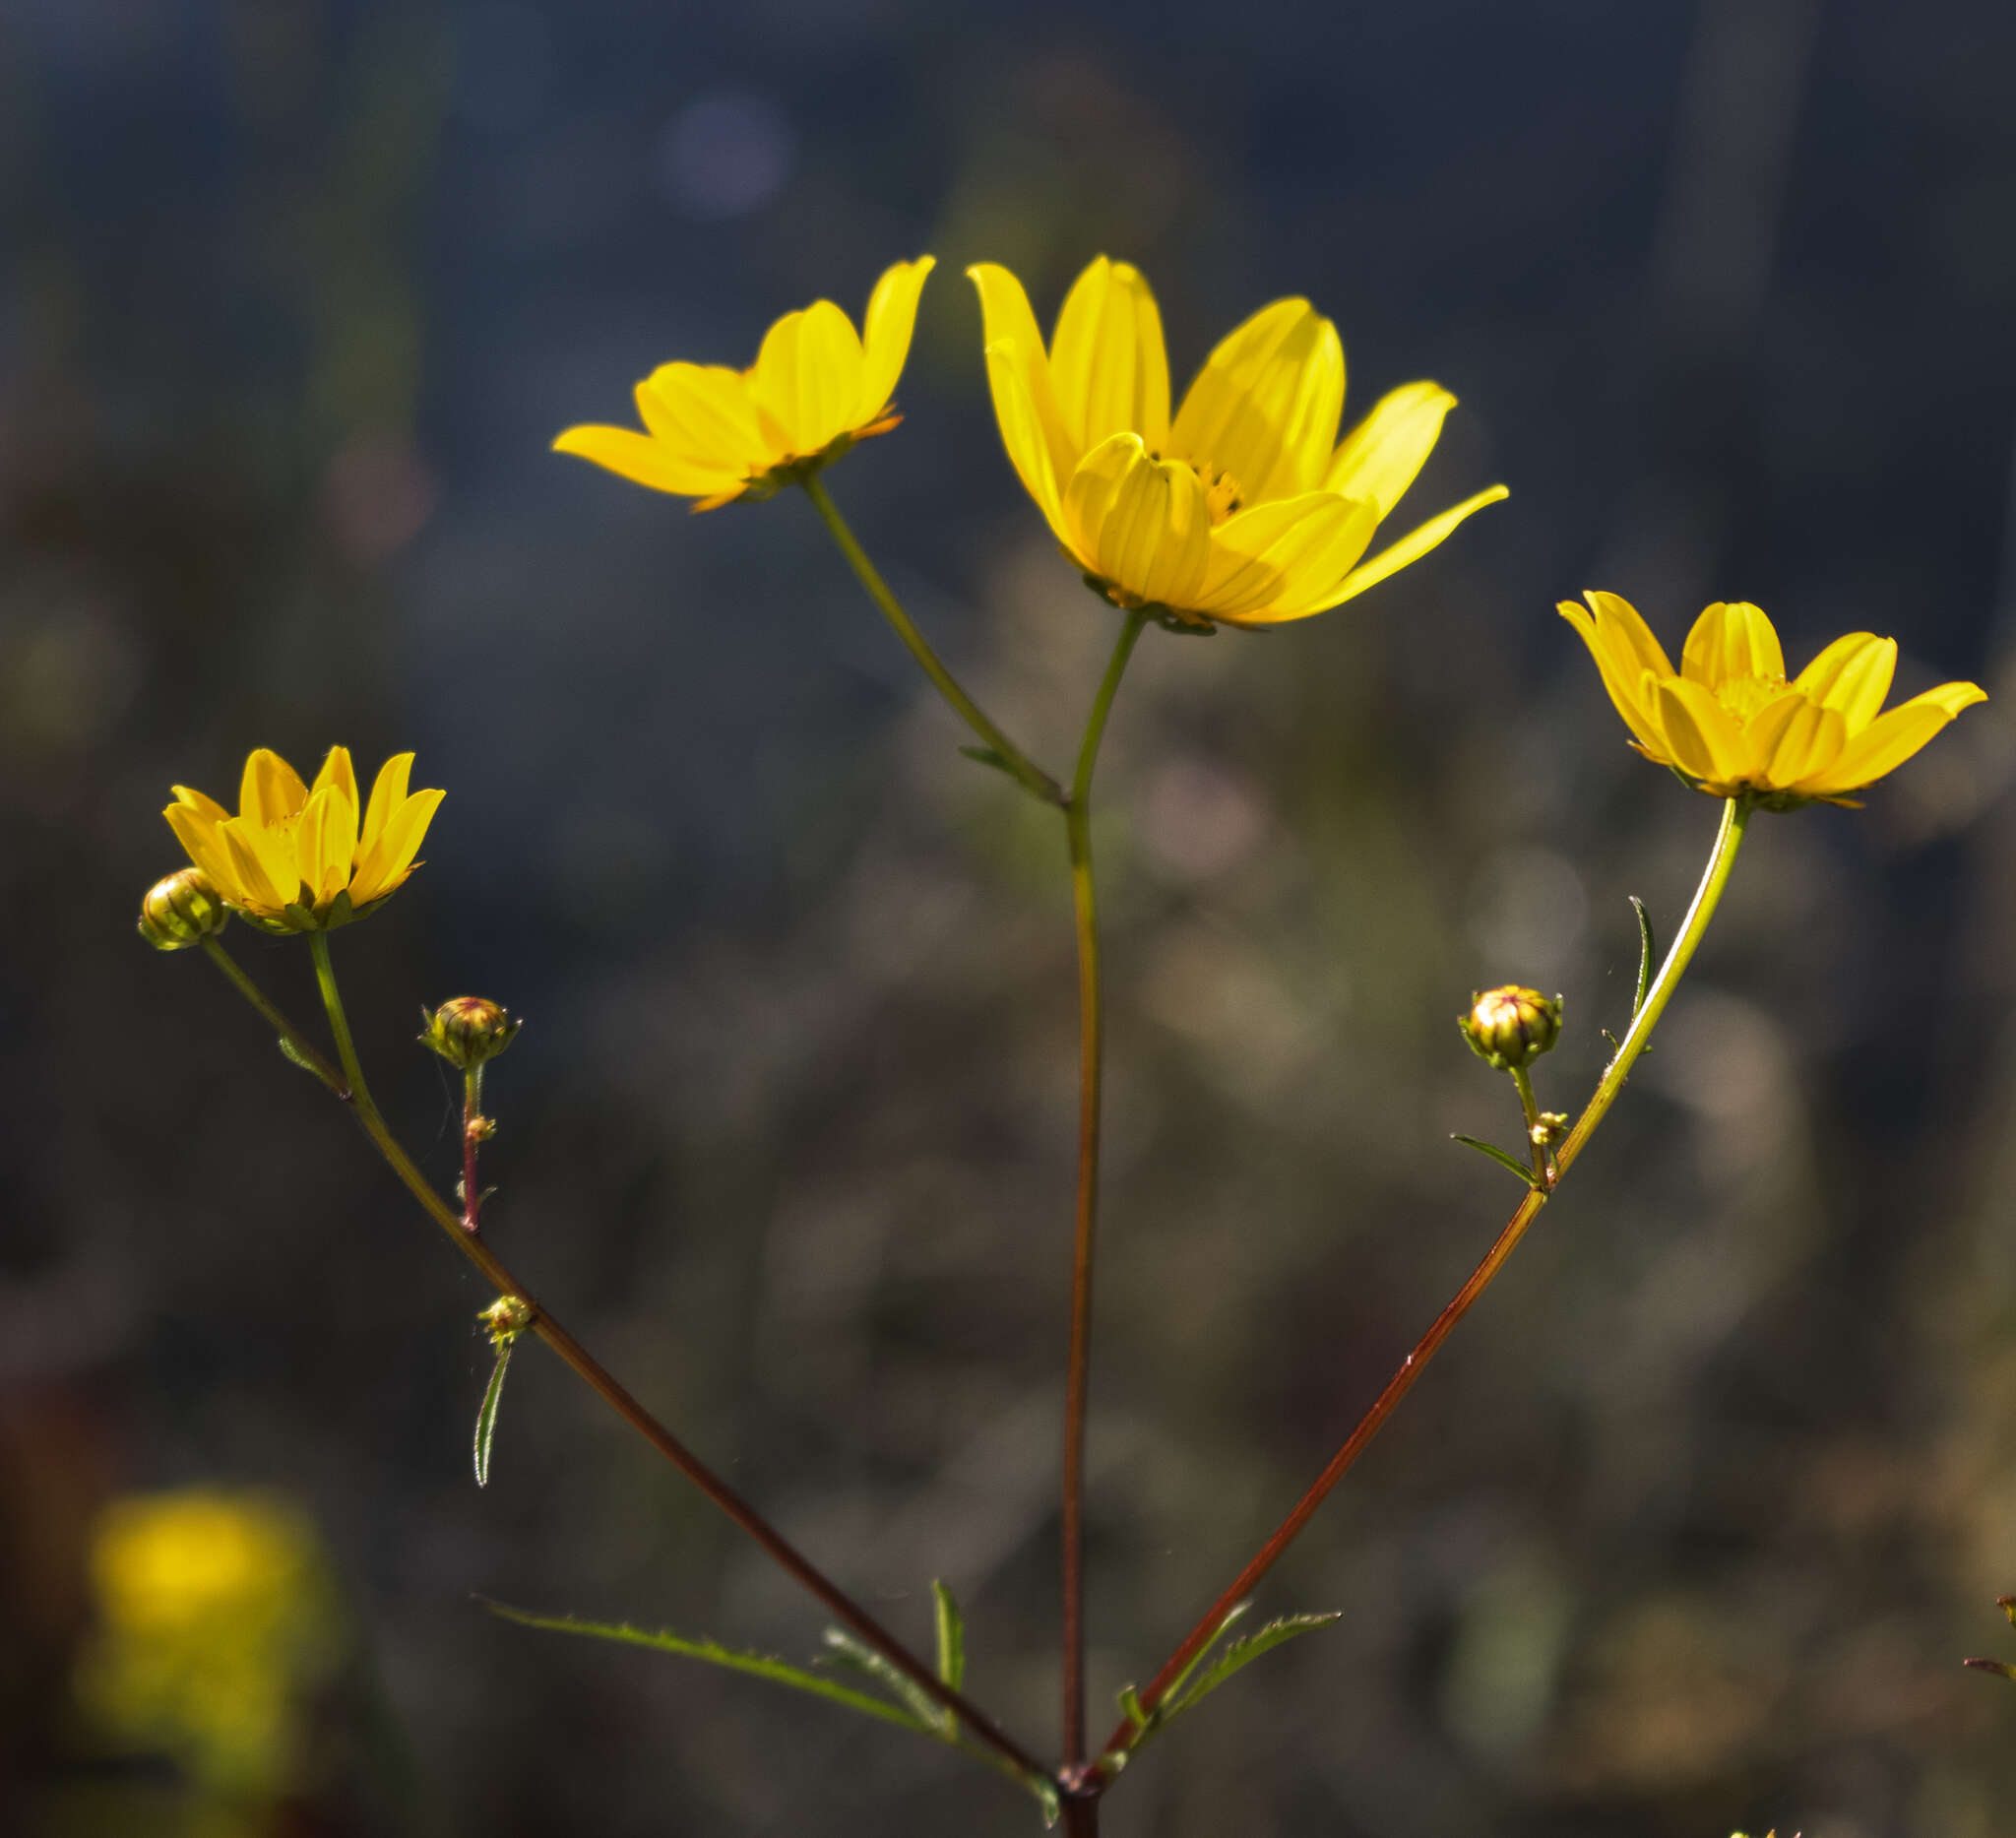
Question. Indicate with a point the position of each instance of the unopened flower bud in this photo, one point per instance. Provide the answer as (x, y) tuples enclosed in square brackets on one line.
[(467, 1030), (1511, 1027), (181, 910), (505, 1319), (1551, 1128)]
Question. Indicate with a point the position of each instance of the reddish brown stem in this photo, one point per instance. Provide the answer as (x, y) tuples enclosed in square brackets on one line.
[(472, 1128)]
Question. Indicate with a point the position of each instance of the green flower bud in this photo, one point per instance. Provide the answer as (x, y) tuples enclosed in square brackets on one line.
[(1512, 1025), (467, 1030), (181, 910), (505, 1319)]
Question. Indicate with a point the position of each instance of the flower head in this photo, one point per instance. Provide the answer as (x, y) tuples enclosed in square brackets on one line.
[(1241, 507), (1511, 1026), (467, 1030), (302, 859), (181, 910), (1728, 720), (717, 435)]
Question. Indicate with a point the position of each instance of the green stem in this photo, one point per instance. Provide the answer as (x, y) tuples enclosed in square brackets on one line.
[(588, 1367), (1078, 834), (1530, 1109), (1025, 770), (1729, 839), (298, 1048)]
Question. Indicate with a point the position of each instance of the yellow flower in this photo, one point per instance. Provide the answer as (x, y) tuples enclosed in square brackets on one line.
[(1236, 510), (815, 389), (296, 858), (1728, 720)]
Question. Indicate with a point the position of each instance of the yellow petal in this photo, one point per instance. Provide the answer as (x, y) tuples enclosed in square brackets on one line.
[(1788, 743), (326, 843), (264, 884), (1108, 364), (203, 805), (886, 333), (1701, 738), (388, 793), (389, 860), (1893, 737), (1143, 523), (1031, 423), (337, 771), (1266, 405), (1627, 636), (706, 416), (809, 376), (1852, 674), (1022, 433), (1382, 456), (271, 788), (196, 832), (1280, 560), (1728, 641), (1624, 683), (1409, 548), (645, 461)]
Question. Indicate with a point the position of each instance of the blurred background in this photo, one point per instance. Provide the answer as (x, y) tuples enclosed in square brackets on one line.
[(1692, 1524)]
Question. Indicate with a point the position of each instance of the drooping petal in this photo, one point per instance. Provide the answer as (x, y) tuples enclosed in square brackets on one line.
[(809, 376), (1701, 738), (271, 788), (1731, 640), (645, 461), (1144, 523), (1893, 737), (1409, 548), (1108, 362), (1623, 681), (1384, 454), (886, 330), (1280, 560), (389, 860), (1852, 674), (1266, 405), (388, 793)]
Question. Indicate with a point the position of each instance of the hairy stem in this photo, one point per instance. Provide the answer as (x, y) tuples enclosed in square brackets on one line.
[(1092, 1042), (1734, 820), (1026, 771), (353, 1089)]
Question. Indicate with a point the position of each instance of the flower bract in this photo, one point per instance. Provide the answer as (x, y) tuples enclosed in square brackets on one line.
[(1730, 721), (715, 435), (300, 857), (1241, 506)]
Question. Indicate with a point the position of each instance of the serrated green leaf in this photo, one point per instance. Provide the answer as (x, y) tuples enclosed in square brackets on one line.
[(486, 1416), (713, 1653), (1499, 1156), (1645, 953), (951, 1638), (922, 1707), (1242, 1653)]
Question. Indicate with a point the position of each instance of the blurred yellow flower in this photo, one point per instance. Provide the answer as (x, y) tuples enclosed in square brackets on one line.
[(716, 434), (301, 858), (215, 1615), (1236, 510), (1728, 720)]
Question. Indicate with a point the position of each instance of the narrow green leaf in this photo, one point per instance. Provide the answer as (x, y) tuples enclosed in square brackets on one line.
[(757, 1665), (986, 756), (1992, 1664), (922, 1707), (1242, 1653), (293, 1058), (486, 1416), (1047, 1797), (1645, 953), (951, 1638), (1130, 1708), (1497, 1154), (1233, 1616)]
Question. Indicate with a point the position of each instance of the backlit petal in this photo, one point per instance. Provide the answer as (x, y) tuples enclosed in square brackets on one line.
[(198, 834), (1409, 548), (1025, 401), (1624, 683), (1266, 405), (1281, 560), (1892, 738), (264, 884), (389, 860), (886, 330), (1144, 523), (202, 804), (1031, 454), (1852, 674), (1731, 640), (1702, 740), (645, 461), (1627, 636), (1382, 456), (337, 771), (705, 415), (1783, 751), (388, 793), (271, 788), (1107, 363), (326, 843), (809, 376)]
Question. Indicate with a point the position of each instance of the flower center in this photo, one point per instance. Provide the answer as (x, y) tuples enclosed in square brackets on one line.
[(1744, 696), (1223, 495)]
